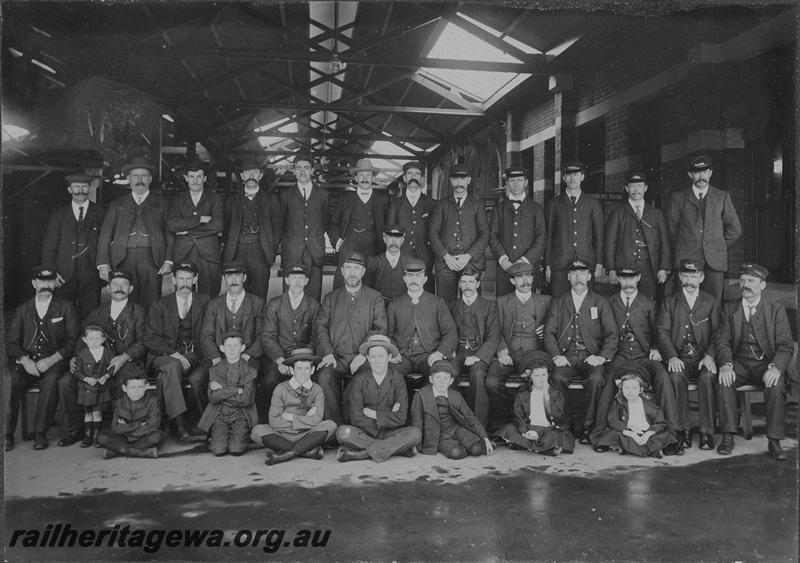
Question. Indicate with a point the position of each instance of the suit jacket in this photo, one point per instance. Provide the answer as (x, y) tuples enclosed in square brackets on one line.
[(621, 236), (562, 244), (303, 224), (641, 317), (770, 326), (287, 400), (364, 392), (61, 328), (213, 327), (342, 219), (116, 229), (416, 221), (484, 316), (340, 333), (618, 415), (522, 409), (162, 331), (141, 417), (506, 305), (526, 222), (474, 230), (183, 216), (229, 395), (59, 245), (675, 320), (131, 328), (430, 317), (425, 416), (595, 319), (381, 276), (271, 226), (285, 329), (697, 237)]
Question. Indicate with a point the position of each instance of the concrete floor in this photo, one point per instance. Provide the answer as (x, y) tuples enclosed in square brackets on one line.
[(510, 505)]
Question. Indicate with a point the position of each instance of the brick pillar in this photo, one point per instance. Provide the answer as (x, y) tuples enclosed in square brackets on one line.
[(618, 150), (564, 113), (539, 181)]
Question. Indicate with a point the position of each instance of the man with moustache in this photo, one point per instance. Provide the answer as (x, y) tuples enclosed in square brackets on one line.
[(517, 230), (581, 336), (576, 229), (347, 317), (252, 228), (70, 246), (520, 318), (687, 323), (636, 235), (478, 337), (755, 348), (635, 318), (40, 339), (359, 218), (412, 211), (385, 271), (172, 339), (195, 218), (303, 224), (703, 224), (421, 325), (459, 234), (134, 236)]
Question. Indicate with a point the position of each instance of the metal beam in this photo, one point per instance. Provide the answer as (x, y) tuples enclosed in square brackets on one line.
[(334, 154), (343, 108), (334, 135)]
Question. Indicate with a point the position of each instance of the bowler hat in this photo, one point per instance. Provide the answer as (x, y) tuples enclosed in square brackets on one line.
[(363, 165), (301, 355), (138, 162), (249, 163), (193, 166), (378, 340)]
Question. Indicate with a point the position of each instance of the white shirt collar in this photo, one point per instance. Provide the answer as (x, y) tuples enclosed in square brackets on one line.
[(178, 300), (698, 192), (295, 385), (251, 193), (512, 198), (305, 188), (413, 198), (295, 301), (117, 307), (393, 260), (690, 299), (42, 306), (746, 306), (352, 291), (524, 297), (624, 296), (636, 205), (196, 196), (76, 207), (140, 198), (239, 300), (415, 295), (470, 301), (577, 300), (437, 394), (97, 353), (364, 196)]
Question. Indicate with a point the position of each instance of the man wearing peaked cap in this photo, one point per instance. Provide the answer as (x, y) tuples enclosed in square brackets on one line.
[(517, 231), (636, 233), (134, 236), (359, 217), (576, 228), (385, 271), (703, 224), (459, 233), (70, 245), (39, 342), (755, 348)]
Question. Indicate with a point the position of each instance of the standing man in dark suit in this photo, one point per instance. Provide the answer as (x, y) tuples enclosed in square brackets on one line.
[(703, 224), (134, 236), (687, 324), (359, 218), (172, 339), (636, 235), (385, 270), (39, 341), (575, 226), (517, 231), (478, 337), (252, 228), (195, 219), (755, 348), (413, 211), (459, 234), (304, 215), (581, 336), (70, 246)]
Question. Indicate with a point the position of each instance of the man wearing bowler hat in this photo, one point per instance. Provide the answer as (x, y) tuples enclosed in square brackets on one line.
[(755, 348), (702, 225), (134, 236), (69, 246), (385, 270), (459, 234), (576, 227), (359, 218), (252, 228), (303, 223), (517, 230), (195, 219)]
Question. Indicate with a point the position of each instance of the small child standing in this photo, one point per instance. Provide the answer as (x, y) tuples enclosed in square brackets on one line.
[(91, 371), (231, 411), (539, 422), (444, 419), (636, 425)]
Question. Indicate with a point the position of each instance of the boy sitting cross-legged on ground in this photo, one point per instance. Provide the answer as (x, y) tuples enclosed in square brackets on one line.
[(135, 426), (444, 419)]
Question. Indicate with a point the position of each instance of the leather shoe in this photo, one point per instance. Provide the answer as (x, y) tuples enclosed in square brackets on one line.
[(346, 454), (109, 454), (40, 441), (674, 449), (315, 453), (411, 452), (706, 441), (656, 454), (775, 450), (280, 458), (584, 437), (9, 442), (601, 449), (69, 439), (726, 446), (685, 439)]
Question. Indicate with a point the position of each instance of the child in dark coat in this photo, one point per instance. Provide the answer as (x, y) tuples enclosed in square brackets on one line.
[(539, 421), (636, 425), (444, 419), (91, 371)]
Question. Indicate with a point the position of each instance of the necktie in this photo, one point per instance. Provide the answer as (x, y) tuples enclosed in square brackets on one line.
[(184, 307), (516, 203), (638, 213), (573, 199), (80, 214), (701, 195), (752, 312), (233, 305), (305, 195), (458, 202), (627, 303)]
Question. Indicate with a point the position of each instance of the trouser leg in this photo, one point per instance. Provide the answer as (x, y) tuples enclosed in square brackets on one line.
[(198, 381), (68, 398), (169, 373), (330, 379)]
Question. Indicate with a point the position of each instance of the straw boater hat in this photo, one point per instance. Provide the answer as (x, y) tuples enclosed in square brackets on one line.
[(378, 340)]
